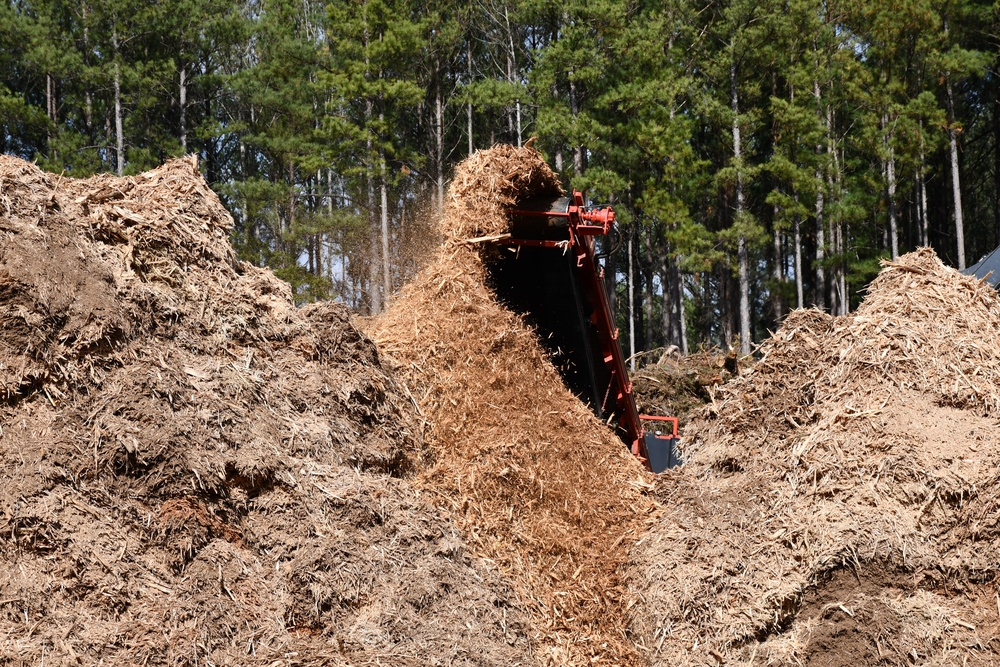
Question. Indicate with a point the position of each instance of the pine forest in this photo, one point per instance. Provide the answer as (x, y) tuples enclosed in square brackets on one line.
[(762, 155)]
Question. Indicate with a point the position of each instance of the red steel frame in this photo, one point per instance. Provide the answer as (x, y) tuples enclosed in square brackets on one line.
[(584, 224)]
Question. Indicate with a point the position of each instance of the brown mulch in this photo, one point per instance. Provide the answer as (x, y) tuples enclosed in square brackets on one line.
[(195, 472), (540, 486), (837, 503)]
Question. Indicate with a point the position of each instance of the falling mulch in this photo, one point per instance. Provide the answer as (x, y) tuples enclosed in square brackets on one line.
[(195, 472), (837, 503), (539, 485)]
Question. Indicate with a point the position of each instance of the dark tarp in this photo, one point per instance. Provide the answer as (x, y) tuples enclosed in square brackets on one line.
[(987, 266)]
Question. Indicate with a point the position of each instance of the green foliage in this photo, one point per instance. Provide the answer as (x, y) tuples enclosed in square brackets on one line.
[(305, 113)]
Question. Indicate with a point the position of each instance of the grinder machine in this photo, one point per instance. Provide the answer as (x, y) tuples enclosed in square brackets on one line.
[(547, 267)]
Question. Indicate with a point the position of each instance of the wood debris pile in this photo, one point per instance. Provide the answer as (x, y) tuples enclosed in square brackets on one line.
[(672, 385), (195, 472), (542, 487), (838, 502)]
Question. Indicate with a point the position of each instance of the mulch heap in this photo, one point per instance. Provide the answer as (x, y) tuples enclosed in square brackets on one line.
[(540, 486), (195, 472), (839, 505)]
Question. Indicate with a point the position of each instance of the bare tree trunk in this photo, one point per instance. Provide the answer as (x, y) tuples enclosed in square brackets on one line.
[(611, 275), (647, 296), (374, 296), (50, 110), (468, 107), (673, 302), (667, 308), (779, 267), (50, 97), (438, 135), (840, 275), (819, 290), (183, 105), (681, 317), (119, 131), (890, 173), (742, 250), (88, 104), (799, 287), (631, 297), (924, 222), (291, 202), (512, 70), (996, 158), (384, 191), (956, 188), (574, 108), (373, 265)]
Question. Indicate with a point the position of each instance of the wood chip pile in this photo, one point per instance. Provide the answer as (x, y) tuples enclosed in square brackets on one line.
[(487, 183), (193, 471), (541, 487), (838, 505)]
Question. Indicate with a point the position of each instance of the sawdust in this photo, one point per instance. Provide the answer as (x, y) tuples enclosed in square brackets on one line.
[(858, 449), (539, 485), (192, 470)]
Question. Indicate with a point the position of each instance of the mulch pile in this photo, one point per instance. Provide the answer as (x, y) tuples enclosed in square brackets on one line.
[(541, 487), (838, 503), (195, 472)]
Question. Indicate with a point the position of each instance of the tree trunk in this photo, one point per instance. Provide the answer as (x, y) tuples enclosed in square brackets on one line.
[(438, 135), (611, 274), (673, 302), (819, 290), (836, 187), (667, 309), (291, 204), (512, 72), (50, 110), (468, 107), (742, 250), (88, 103), (649, 341), (183, 105), (373, 265), (119, 131), (956, 188), (574, 108), (681, 317), (384, 192), (799, 287), (996, 158), (631, 297), (890, 173)]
